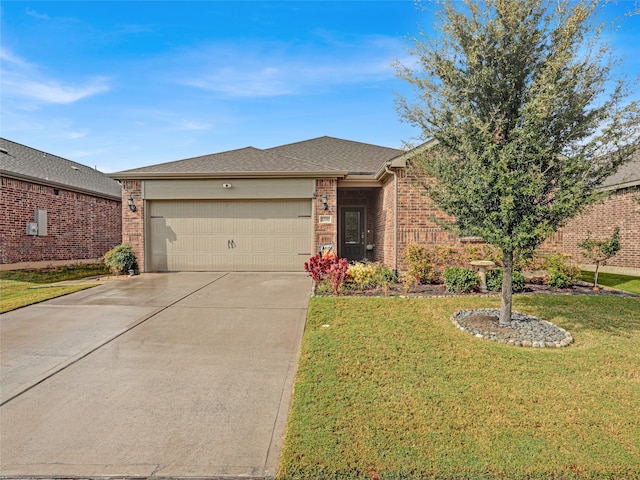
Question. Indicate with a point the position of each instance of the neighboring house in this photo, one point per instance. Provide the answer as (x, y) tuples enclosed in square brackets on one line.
[(271, 209), (53, 210), (619, 208)]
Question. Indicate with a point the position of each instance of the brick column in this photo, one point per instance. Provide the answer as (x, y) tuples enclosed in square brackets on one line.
[(133, 222), (325, 233)]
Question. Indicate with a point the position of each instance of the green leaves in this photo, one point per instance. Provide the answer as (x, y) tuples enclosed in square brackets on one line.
[(513, 94)]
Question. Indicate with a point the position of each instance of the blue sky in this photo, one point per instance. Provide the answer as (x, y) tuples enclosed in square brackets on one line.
[(119, 84)]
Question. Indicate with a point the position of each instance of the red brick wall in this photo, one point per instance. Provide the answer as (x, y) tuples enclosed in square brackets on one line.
[(133, 222), (384, 223), (619, 209), (79, 226), (325, 233), (417, 218)]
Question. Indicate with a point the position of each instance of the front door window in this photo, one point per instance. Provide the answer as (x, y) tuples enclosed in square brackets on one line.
[(352, 235)]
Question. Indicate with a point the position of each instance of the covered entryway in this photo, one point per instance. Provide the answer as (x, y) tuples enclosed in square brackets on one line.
[(229, 235)]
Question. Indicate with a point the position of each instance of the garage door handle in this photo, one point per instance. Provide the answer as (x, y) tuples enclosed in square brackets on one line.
[(231, 244)]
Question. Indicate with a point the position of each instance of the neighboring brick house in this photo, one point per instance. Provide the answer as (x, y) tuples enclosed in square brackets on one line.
[(619, 208), (252, 209), (53, 210)]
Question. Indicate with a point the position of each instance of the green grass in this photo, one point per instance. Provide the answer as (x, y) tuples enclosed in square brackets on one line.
[(621, 282), (17, 287), (388, 388)]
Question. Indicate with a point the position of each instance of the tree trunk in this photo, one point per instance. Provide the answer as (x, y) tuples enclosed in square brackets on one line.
[(507, 288), (595, 276)]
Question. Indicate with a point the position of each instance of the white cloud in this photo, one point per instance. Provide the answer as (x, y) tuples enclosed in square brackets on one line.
[(33, 13), (277, 69), (22, 79), (52, 92)]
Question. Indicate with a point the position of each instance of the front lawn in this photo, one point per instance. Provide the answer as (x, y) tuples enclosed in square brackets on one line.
[(388, 388), (19, 288), (621, 282)]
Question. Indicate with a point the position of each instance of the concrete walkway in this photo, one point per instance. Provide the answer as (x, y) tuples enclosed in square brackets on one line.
[(168, 375)]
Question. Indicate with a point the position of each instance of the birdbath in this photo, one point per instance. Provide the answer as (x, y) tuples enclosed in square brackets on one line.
[(482, 271)]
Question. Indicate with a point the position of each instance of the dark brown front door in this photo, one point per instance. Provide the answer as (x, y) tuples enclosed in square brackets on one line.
[(352, 237)]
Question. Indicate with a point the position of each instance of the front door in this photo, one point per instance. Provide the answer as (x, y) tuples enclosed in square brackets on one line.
[(352, 233)]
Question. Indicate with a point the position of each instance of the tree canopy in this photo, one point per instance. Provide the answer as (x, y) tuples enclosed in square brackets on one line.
[(525, 116)]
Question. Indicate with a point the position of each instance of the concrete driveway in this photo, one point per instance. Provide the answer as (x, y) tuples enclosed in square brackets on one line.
[(168, 375)]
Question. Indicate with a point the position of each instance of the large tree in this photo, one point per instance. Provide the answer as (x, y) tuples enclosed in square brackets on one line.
[(526, 118)]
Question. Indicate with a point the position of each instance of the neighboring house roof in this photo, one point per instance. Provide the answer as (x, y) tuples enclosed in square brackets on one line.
[(320, 157), (26, 163), (627, 176)]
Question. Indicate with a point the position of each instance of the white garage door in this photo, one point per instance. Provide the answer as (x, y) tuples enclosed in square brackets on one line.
[(234, 235)]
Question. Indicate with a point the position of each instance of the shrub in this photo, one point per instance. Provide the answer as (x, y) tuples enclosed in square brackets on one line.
[(559, 268), (323, 269), (460, 280), (494, 281), (386, 276), (599, 251), (121, 259), (420, 262), (363, 275), (481, 252), (317, 267), (369, 275), (338, 274), (559, 280)]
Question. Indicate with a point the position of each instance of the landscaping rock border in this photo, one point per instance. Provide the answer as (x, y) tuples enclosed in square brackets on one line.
[(524, 330)]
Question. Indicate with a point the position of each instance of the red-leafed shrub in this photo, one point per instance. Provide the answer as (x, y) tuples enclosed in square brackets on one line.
[(333, 270), (318, 267), (338, 274)]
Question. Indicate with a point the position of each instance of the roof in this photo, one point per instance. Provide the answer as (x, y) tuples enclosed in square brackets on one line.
[(627, 176), (26, 163), (355, 157), (320, 157)]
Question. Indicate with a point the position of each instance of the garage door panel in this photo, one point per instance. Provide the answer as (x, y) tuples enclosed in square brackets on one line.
[(267, 235)]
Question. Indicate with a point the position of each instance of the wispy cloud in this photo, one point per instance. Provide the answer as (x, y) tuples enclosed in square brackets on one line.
[(33, 13), (277, 69), (23, 79)]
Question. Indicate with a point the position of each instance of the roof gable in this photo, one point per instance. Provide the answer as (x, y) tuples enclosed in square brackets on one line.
[(26, 163), (355, 157)]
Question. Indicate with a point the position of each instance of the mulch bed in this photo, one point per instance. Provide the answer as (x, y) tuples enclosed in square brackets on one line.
[(438, 290)]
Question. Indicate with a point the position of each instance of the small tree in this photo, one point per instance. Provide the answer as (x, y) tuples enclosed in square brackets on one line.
[(511, 96), (599, 251)]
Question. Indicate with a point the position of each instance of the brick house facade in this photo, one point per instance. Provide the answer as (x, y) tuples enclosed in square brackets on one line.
[(347, 180), (620, 208), (79, 209)]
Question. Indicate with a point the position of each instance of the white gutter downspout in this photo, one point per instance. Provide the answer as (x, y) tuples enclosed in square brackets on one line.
[(395, 215)]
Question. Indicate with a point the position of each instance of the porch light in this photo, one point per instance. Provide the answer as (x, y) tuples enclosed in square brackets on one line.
[(325, 204), (132, 206)]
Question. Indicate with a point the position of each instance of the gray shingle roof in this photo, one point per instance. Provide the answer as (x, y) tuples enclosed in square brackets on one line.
[(19, 161), (320, 156), (627, 175), (355, 157), (244, 160)]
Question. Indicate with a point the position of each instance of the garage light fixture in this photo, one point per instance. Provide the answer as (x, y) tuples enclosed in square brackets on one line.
[(130, 203), (325, 204)]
